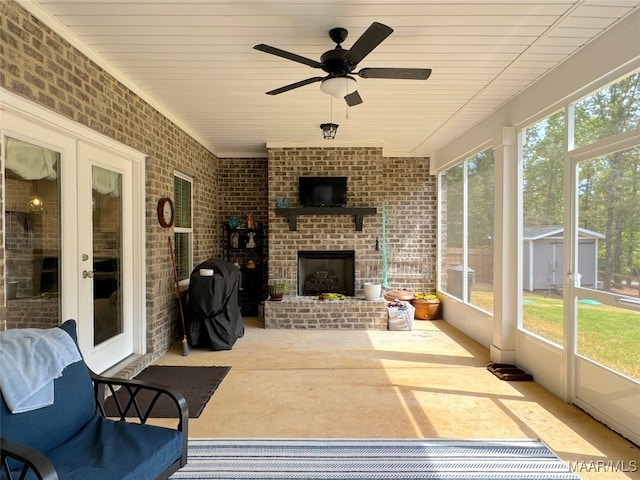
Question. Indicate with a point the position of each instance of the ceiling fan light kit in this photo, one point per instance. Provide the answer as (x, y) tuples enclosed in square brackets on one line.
[(340, 64), (329, 130), (339, 87)]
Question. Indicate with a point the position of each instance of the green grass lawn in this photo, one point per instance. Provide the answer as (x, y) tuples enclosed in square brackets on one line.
[(608, 335)]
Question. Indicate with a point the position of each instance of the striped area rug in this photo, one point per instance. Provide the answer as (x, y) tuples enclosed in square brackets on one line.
[(355, 459)]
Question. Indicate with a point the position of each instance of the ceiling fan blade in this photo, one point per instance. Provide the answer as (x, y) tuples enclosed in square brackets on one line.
[(398, 73), (288, 55), (353, 99), (370, 39), (301, 83)]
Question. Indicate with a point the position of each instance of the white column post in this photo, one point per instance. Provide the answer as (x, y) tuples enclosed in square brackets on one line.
[(505, 260)]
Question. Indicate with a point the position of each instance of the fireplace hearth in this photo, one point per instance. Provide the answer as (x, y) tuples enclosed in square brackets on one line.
[(326, 271)]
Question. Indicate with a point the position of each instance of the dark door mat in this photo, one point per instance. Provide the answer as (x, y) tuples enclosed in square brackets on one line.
[(509, 373), (197, 384)]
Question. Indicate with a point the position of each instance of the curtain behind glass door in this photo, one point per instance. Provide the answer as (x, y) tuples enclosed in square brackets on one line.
[(32, 235), (107, 253)]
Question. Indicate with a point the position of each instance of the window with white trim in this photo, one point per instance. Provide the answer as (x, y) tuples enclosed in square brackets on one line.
[(183, 227), (466, 230)]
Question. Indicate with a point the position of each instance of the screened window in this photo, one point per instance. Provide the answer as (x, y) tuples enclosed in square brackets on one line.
[(466, 230), (480, 212), (542, 227), (451, 226), (183, 227), (612, 110)]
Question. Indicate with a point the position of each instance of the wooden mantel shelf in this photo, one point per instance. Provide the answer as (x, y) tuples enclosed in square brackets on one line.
[(293, 213)]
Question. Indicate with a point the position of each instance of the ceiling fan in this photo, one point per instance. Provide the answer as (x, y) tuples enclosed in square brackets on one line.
[(340, 64)]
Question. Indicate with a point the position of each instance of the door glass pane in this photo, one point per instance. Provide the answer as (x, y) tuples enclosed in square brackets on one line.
[(608, 203), (610, 336), (451, 230), (32, 235), (481, 185), (609, 258), (107, 254), (542, 228)]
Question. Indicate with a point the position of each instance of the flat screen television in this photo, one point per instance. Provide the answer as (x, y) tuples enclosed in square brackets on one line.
[(322, 191)]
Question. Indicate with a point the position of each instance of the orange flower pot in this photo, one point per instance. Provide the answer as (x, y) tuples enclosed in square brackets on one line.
[(426, 309)]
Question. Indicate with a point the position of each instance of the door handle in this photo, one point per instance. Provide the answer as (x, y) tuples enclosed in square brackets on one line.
[(87, 274)]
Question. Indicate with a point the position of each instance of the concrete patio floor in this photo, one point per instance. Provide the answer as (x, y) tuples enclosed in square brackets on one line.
[(429, 382)]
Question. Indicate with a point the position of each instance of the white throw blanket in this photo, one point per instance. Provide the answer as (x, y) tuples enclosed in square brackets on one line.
[(30, 359)]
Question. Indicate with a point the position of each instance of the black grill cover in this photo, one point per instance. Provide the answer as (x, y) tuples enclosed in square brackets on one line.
[(213, 318)]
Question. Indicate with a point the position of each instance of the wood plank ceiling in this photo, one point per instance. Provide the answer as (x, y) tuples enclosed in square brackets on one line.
[(194, 61)]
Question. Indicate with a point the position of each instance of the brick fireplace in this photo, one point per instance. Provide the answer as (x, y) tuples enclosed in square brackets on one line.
[(326, 271), (376, 182)]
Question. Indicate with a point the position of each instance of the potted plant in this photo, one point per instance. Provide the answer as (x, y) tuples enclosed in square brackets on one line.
[(427, 306), (278, 290)]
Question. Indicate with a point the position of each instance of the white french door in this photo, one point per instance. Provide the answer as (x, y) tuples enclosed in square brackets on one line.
[(604, 300), (97, 213), (105, 245)]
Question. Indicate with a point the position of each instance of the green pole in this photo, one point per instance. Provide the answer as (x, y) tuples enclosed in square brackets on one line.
[(384, 247)]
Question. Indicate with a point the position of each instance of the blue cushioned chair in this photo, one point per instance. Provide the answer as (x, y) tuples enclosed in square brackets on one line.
[(74, 440)]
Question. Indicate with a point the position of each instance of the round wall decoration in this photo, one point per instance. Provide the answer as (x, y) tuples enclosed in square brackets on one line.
[(166, 213)]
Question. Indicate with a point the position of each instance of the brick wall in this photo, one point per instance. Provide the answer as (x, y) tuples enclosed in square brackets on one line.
[(243, 190), (403, 186), (305, 313), (39, 65)]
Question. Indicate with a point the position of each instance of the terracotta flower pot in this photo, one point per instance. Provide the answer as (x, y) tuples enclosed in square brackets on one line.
[(426, 309), (403, 295)]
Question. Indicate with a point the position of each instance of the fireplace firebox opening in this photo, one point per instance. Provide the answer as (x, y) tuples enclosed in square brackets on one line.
[(326, 271)]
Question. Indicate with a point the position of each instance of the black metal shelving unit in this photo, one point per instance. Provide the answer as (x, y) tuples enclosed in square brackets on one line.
[(242, 246)]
